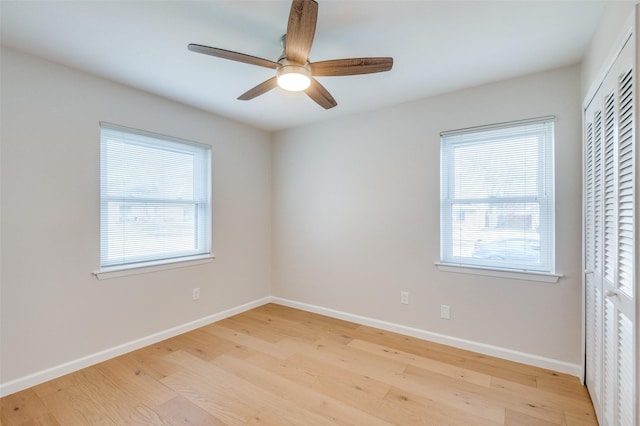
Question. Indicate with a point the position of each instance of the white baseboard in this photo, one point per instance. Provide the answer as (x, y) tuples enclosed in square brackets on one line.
[(80, 363), (496, 351)]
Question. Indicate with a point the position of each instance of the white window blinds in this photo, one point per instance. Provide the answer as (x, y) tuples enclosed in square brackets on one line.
[(496, 206), (155, 198)]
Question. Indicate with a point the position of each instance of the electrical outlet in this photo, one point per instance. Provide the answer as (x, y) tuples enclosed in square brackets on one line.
[(445, 312), (196, 293), (404, 297)]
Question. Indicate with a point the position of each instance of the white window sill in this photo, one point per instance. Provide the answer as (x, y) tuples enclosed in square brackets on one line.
[(144, 268), (501, 273)]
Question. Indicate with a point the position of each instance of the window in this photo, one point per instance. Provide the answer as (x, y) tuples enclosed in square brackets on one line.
[(496, 205), (155, 199)]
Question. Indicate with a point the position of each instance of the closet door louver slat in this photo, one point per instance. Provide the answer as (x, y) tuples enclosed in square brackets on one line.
[(609, 192), (625, 186), (625, 372)]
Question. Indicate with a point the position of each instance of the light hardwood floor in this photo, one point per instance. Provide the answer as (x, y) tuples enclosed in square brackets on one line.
[(275, 365)]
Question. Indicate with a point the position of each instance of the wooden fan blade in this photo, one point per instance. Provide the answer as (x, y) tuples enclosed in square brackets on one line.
[(353, 66), (260, 89), (234, 56), (300, 30), (320, 95)]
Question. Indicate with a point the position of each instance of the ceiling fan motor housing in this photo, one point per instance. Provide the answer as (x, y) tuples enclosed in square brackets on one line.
[(293, 76)]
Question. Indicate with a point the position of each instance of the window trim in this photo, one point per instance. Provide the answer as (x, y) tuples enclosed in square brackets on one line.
[(546, 204), (145, 264), (545, 277), (109, 272)]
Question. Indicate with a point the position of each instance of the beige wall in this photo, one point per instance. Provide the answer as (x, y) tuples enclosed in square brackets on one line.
[(53, 309), (356, 220)]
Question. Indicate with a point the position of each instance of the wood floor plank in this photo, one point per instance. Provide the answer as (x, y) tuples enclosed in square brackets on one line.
[(301, 394), (22, 408), (283, 349), (115, 402), (352, 359), (246, 325), (309, 328), (275, 365), (283, 368), (460, 395), (199, 343), (222, 385), (348, 379), (308, 318), (577, 419), (459, 357), (516, 418), (493, 396), (428, 412), (580, 408), (424, 362), (561, 384), (72, 400), (216, 399), (393, 372), (127, 378), (180, 411)]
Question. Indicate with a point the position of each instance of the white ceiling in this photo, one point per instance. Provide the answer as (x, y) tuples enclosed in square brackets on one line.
[(437, 46)]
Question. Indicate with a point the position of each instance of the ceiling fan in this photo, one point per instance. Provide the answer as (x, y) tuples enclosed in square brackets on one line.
[(293, 69)]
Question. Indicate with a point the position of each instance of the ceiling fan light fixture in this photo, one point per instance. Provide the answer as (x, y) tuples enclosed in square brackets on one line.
[(293, 77)]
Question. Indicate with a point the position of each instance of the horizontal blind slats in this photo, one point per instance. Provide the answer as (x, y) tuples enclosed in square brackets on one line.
[(497, 196), (155, 197)]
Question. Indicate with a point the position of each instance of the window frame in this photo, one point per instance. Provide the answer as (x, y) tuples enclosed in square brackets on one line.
[(201, 201), (545, 198)]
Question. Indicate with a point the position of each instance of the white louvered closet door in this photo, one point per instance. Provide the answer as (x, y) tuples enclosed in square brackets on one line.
[(609, 243)]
